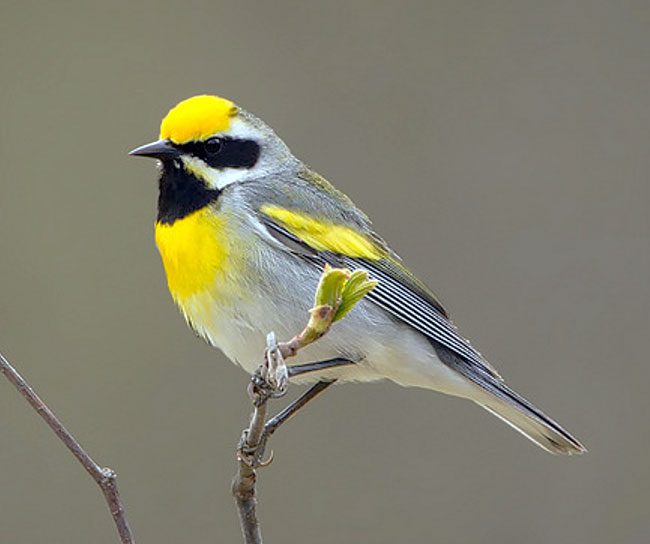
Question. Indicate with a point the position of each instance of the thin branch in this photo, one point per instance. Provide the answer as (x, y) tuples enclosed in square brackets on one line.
[(243, 485), (337, 293), (105, 478)]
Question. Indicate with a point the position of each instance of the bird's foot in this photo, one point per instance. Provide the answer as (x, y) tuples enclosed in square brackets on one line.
[(253, 456), (271, 379)]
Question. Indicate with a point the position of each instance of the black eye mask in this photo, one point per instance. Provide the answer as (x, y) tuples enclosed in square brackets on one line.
[(224, 152)]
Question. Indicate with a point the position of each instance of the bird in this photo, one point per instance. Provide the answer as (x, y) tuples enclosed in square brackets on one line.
[(244, 230)]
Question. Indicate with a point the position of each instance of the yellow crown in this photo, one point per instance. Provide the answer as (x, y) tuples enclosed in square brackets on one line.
[(197, 118)]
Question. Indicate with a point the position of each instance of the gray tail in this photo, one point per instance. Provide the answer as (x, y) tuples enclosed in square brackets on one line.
[(529, 420), (497, 398)]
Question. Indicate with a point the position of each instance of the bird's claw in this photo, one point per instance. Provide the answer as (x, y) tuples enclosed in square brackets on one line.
[(252, 455), (270, 380), (274, 370)]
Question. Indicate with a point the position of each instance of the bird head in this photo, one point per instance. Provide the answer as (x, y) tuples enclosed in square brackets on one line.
[(211, 140)]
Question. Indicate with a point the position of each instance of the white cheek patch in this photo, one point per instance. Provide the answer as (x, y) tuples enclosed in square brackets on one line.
[(214, 178)]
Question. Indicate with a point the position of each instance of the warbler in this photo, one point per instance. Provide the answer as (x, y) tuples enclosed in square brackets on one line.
[(244, 230)]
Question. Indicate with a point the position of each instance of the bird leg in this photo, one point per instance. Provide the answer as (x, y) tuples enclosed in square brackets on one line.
[(255, 454), (298, 370), (292, 409), (271, 380)]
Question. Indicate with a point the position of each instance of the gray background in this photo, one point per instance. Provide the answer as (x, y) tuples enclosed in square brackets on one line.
[(501, 148)]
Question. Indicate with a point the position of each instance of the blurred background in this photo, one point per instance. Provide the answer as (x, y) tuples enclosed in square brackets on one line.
[(500, 147)]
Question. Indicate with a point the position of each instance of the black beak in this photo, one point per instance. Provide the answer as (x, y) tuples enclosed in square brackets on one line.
[(157, 150)]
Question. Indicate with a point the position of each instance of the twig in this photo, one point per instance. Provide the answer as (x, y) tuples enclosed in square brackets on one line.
[(105, 477), (243, 485), (337, 293)]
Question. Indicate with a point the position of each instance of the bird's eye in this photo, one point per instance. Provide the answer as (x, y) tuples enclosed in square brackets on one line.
[(212, 146)]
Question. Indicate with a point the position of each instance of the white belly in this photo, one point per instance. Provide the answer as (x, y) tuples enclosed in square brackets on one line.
[(381, 347)]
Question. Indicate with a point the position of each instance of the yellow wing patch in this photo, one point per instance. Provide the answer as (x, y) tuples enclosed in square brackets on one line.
[(194, 250), (197, 118), (323, 235)]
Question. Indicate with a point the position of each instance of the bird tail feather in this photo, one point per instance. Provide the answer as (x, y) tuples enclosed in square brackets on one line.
[(529, 420), (496, 397)]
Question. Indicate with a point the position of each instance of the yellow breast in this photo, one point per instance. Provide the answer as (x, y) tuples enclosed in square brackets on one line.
[(196, 252)]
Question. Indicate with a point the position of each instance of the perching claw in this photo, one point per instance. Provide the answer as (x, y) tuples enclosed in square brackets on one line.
[(252, 455), (275, 370)]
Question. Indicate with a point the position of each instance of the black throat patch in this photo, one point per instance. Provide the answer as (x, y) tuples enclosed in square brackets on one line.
[(180, 192)]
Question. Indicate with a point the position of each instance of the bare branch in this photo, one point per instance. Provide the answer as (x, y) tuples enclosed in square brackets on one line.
[(105, 478), (243, 485)]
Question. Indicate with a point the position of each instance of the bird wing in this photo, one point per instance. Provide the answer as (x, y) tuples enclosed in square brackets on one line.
[(398, 291)]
